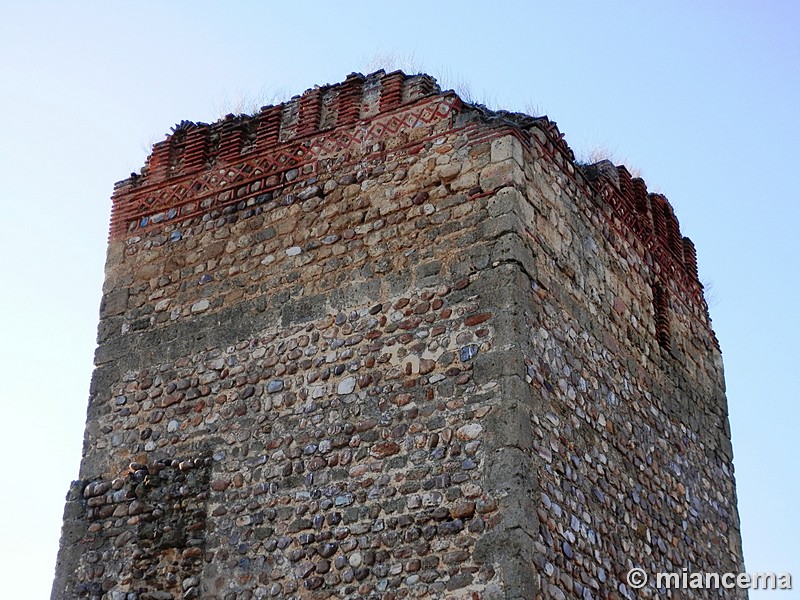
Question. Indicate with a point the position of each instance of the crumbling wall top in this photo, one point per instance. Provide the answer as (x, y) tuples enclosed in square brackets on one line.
[(201, 166), (192, 146)]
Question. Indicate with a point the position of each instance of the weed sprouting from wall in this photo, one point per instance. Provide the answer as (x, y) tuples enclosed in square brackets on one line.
[(250, 103), (595, 153)]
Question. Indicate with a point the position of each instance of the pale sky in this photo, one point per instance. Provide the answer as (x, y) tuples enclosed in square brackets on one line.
[(703, 98)]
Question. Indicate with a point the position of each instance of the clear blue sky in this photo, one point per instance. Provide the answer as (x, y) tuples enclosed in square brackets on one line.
[(702, 97)]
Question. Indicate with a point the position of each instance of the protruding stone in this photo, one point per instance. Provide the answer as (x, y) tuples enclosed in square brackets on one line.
[(200, 306), (469, 431), (274, 386), (346, 386)]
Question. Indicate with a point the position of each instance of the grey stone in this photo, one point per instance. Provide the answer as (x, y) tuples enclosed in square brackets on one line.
[(346, 386)]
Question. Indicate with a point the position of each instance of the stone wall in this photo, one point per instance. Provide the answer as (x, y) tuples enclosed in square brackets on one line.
[(378, 343)]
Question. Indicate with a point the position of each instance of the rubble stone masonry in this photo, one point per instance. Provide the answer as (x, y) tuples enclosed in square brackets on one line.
[(379, 343)]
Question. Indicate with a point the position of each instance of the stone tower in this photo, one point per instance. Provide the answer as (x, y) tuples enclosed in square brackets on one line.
[(376, 342)]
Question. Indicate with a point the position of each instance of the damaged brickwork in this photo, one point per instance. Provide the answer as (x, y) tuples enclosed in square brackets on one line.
[(376, 342)]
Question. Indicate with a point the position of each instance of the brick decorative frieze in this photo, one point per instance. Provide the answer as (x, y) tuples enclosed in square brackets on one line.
[(168, 189)]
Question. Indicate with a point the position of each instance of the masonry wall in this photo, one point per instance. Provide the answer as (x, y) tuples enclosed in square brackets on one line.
[(378, 343)]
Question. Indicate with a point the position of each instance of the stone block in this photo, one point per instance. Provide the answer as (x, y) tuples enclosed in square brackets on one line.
[(497, 175), (114, 303), (505, 148)]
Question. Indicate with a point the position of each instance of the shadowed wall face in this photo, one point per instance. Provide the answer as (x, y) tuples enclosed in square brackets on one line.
[(375, 342)]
